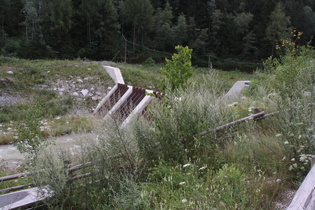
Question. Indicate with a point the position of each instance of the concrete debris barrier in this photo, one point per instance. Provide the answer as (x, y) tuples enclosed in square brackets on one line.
[(24, 198)]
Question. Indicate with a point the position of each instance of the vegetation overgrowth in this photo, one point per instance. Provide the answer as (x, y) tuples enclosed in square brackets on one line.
[(165, 163)]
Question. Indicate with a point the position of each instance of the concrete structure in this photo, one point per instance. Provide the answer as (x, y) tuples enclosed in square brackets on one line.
[(237, 88), (304, 197), (23, 198), (115, 74), (123, 102)]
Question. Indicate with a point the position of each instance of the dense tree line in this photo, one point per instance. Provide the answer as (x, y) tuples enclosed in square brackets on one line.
[(220, 30)]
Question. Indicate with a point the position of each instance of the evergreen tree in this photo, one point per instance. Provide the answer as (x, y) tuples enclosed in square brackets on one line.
[(279, 25), (181, 30), (199, 45), (140, 14), (33, 10), (215, 24), (3, 10), (88, 12), (164, 31), (309, 25), (58, 15), (34, 45), (107, 29), (102, 29)]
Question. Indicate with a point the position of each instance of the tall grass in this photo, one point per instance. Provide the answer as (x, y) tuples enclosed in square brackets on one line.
[(163, 162)]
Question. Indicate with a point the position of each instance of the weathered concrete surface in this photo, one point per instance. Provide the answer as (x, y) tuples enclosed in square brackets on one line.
[(304, 198), (115, 74), (22, 198), (237, 88)]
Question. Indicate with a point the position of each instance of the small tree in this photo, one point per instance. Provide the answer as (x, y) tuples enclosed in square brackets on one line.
[(178, 70)]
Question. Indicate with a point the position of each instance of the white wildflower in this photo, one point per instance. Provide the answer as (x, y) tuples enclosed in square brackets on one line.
[(178, 99), (233, 104), (303, 157), (272, 94), (290, 168), (293, 159), (286, 142), (202, 168), (182, 183), (278, 134), (186, 165), (184, 200)]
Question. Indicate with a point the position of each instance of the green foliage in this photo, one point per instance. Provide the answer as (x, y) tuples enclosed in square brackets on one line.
[(179, 69), (179, 118), (292, 74), (31, 135), (241, 30), (278, 27), (149, 62), (140, 14), (289, 82), (190, 186)]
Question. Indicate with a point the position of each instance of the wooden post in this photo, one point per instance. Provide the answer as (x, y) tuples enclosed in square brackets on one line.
[(125, 50), (209, 62)]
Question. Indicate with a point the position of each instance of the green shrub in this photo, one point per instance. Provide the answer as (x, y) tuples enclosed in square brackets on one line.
[(178, 119), (177, 70), (289, 80), (149, 62)]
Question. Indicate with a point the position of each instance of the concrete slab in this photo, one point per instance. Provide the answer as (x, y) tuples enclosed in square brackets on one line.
[(23, 198), (237, 88), (115, 74)]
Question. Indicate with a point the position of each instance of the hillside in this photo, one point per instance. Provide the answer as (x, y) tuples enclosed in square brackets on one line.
[(163, 160)]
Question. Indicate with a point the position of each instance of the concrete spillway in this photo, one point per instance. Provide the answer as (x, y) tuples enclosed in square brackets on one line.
[(123, 102)]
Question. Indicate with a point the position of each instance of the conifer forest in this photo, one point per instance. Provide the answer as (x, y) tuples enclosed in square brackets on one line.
[(229, 33)]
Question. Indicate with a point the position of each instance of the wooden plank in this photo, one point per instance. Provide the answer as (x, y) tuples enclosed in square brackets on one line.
[(9, 189), (259, 115), (15, 176)]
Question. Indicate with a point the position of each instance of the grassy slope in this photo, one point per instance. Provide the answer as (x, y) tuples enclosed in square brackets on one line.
[(29, 74), (150, 76), (29, 77)]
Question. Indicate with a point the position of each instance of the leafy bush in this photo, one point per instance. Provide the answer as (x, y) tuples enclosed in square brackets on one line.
[(290, 80), (177, 70), (178, 119)]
